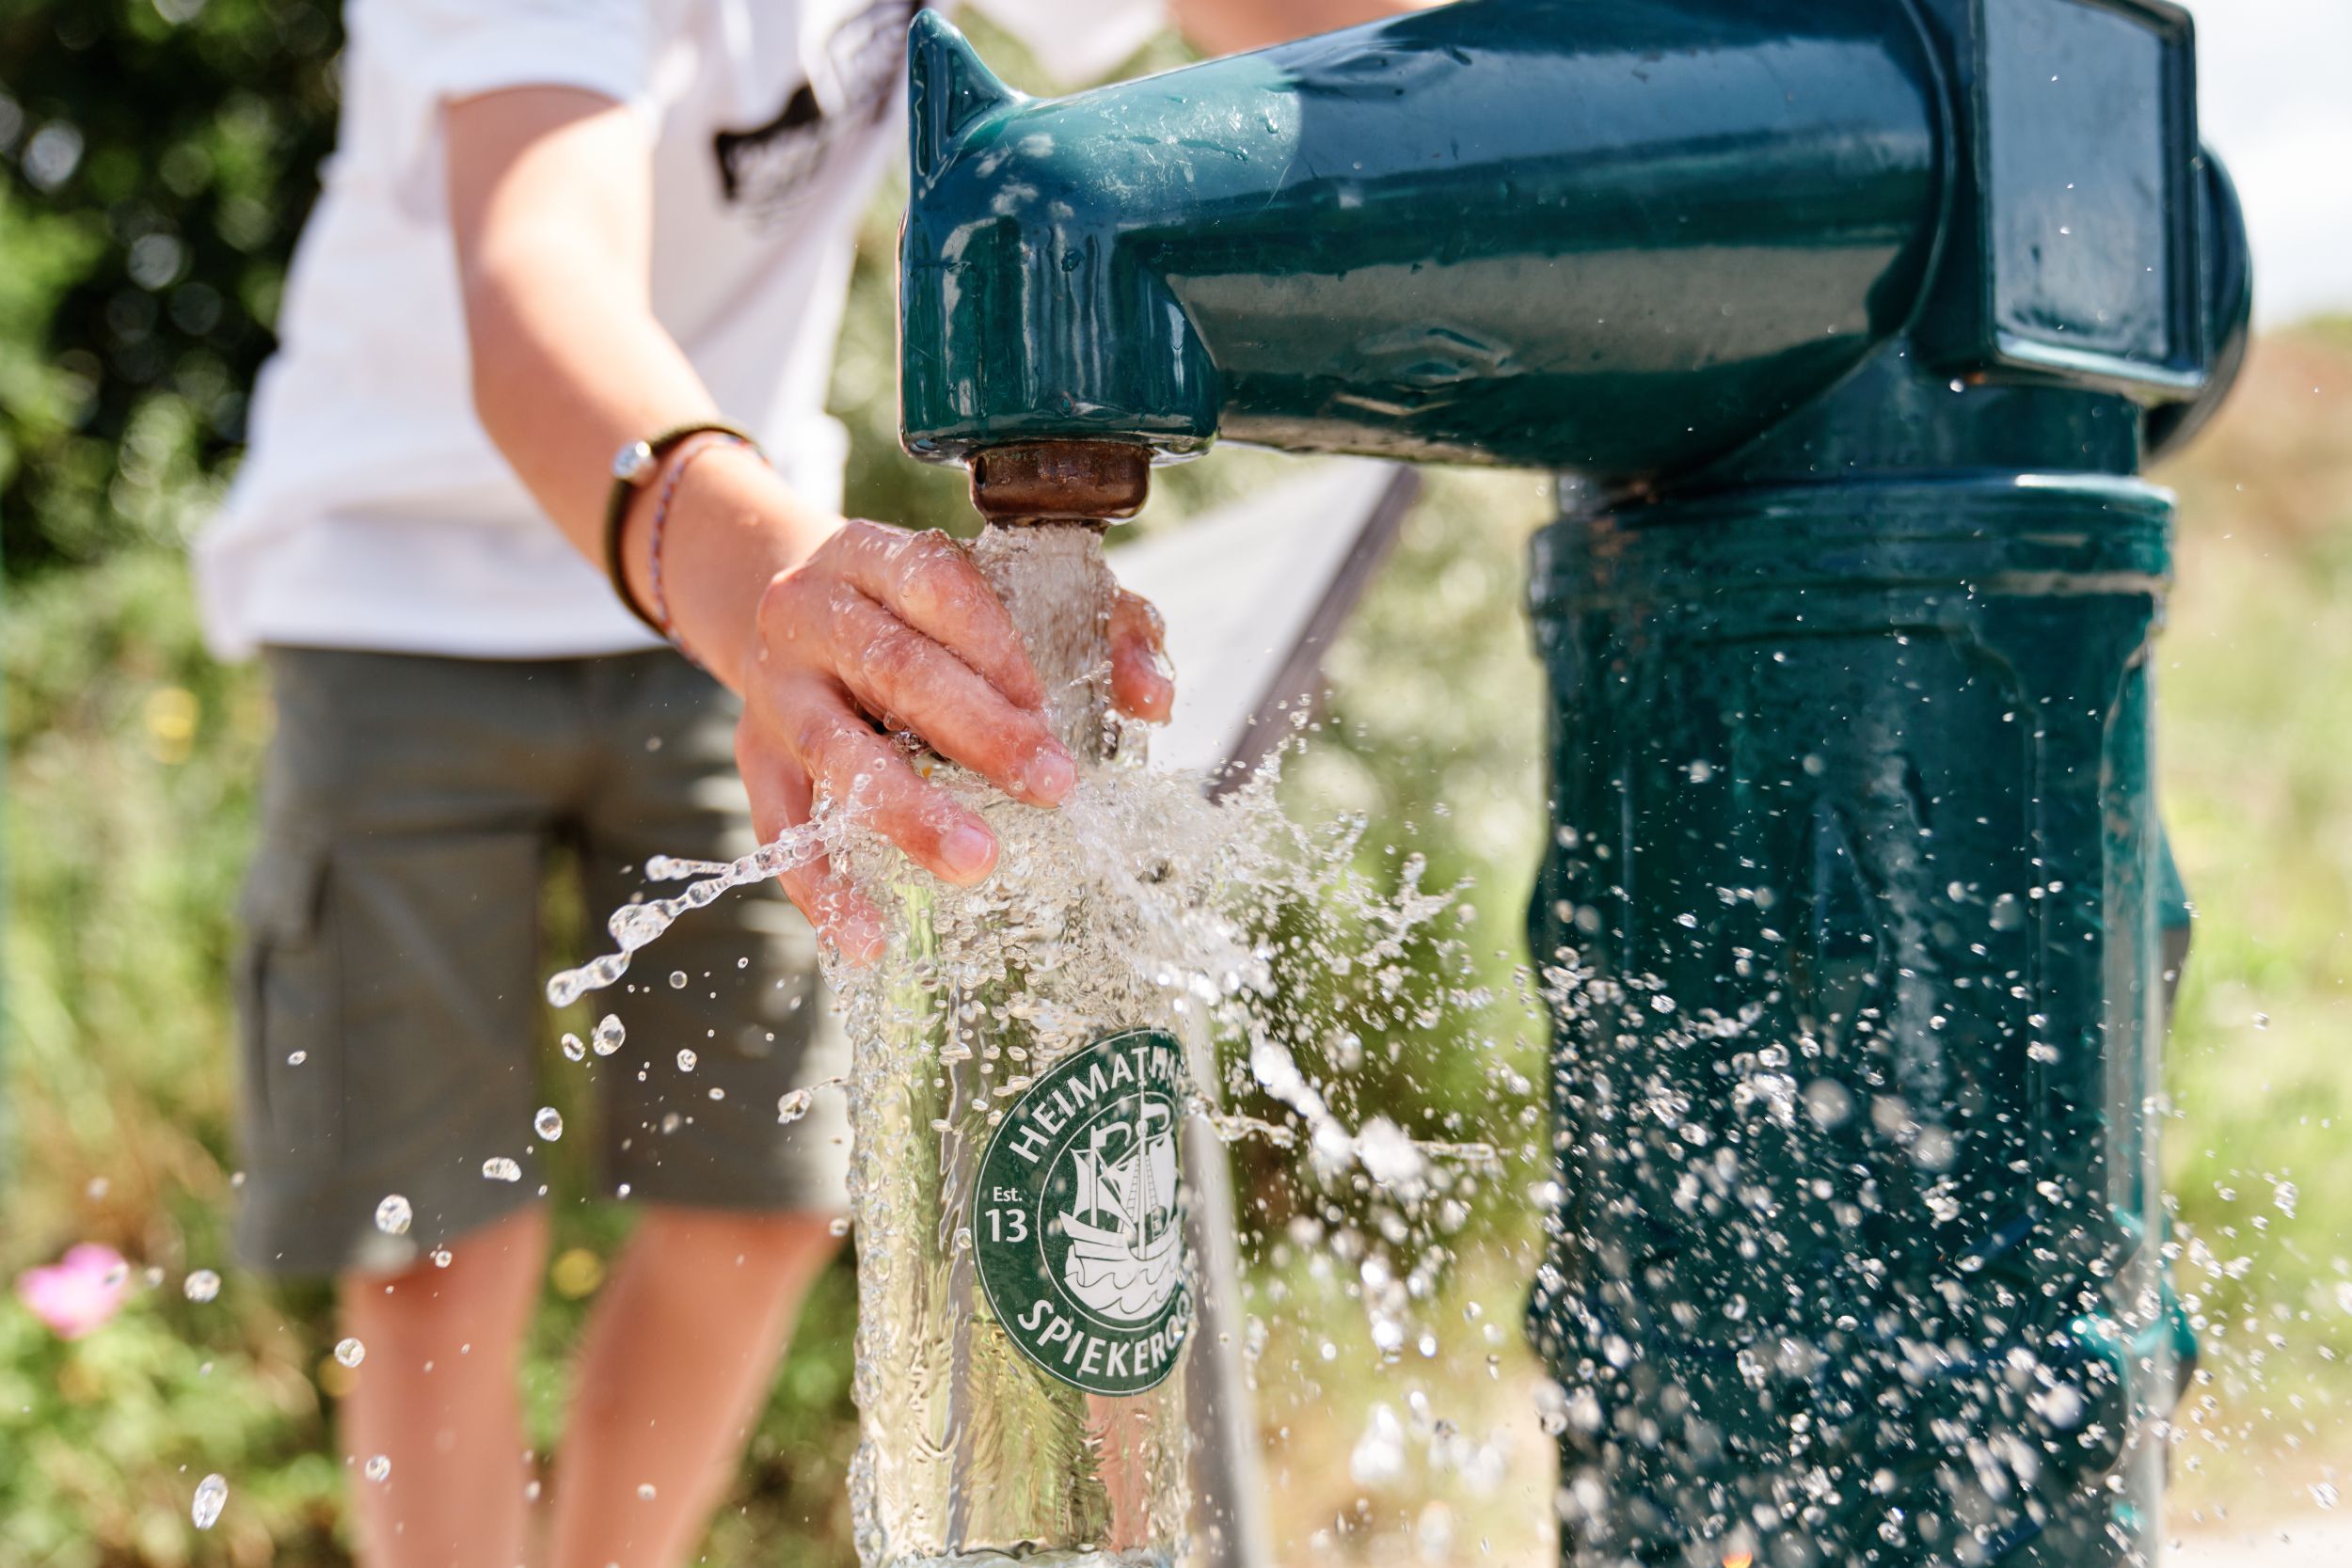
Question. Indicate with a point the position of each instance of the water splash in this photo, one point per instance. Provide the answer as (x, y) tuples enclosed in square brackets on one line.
[(633, 926), (1272, 949)]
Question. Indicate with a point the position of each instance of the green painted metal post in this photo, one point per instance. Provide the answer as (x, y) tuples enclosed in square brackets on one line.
[(1857, 320), (1856, 1260)]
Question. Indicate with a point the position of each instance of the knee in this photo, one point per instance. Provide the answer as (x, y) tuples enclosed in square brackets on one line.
[(753, 1248), (492, 1273)]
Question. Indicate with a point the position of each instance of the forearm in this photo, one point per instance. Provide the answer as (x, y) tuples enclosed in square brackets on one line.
[(568, 369), (570, 364)]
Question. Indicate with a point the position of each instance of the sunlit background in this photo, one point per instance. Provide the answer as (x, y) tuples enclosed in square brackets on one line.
[(157, 157)]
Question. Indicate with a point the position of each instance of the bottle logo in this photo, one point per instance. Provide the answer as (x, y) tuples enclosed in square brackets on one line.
[(1078, 1219)]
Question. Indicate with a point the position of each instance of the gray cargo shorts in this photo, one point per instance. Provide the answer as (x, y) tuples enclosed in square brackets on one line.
[(391, 987)]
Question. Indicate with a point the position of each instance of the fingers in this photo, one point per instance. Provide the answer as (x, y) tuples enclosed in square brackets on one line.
[(780, 796), (895, 669), (843, 757), (928, 582), (1143, 683)]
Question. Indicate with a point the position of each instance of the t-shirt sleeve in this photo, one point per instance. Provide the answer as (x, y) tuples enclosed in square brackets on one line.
[(461, 48), (1079, 41)]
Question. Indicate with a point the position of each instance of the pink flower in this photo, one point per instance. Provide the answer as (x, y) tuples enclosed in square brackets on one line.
[(79, 1292)]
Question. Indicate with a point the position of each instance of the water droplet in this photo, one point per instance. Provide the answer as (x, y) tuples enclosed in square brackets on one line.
[(443, 1257), (377, 1467), (645, 1491), (677, 979), (1828, 1102), (686, 1060), (792, 1107), (203, 1285), (608, 1034), (2008, 913), (295, 1058), (838, 1224), (1552, 1407), (498, 1168), (2323, 1494), (2262, 1021), (633, 926), (211, 1495), (350, 1352), (573, 1048), (2061, 1405), (549, 1123), (392, 1215)]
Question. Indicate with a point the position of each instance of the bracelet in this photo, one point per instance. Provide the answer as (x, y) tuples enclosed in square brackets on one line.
[(700, 442), (632, 466)]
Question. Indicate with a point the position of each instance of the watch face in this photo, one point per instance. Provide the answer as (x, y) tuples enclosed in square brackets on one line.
[(633, 462)]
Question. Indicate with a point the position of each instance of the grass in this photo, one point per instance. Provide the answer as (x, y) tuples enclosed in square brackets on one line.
[(2256, 699)]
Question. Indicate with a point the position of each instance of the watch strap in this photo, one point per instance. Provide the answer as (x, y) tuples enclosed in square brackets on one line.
[(632, 466)]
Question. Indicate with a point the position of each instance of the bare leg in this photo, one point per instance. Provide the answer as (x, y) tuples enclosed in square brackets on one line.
[(673, 1371), (436, 1399), (1120, 1430)]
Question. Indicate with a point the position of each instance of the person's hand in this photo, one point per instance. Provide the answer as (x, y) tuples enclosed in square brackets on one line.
[(880, 626)]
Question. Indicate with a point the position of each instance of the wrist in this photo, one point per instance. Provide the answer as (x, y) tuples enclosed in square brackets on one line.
[(733, 526), (653, 467)]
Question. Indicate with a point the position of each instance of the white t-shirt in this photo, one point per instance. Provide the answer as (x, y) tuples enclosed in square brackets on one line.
[(371, 511)]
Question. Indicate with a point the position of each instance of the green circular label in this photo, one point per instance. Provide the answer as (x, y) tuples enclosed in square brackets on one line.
[(1078, 1219)]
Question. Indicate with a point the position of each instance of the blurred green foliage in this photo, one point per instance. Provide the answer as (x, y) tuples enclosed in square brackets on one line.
[(156, 159)]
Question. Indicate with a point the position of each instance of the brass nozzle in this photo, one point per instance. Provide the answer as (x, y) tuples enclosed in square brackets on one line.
[(1061, 482)]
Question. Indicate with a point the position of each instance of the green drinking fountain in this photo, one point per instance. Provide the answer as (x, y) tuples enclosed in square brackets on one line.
[(1850, 326)]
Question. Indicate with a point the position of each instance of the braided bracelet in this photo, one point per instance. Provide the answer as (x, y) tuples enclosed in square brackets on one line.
[(688, 450)]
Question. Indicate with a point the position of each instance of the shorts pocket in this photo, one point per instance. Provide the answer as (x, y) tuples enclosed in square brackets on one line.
[(289, 1006)]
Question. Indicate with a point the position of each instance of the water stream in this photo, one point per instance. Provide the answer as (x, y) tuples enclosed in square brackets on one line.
[(1230, 945)]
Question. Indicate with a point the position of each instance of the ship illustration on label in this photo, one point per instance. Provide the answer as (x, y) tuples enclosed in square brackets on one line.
[(1077, 1217)]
